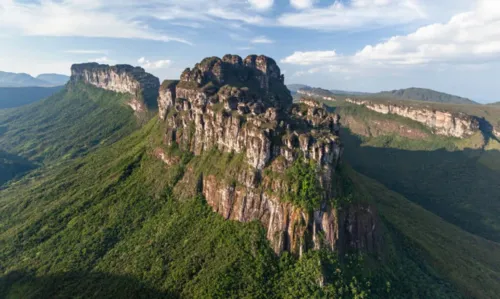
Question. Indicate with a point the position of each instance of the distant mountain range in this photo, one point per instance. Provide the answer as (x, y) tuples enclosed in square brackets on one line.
[(25, 80), (425, 95), (11, 97), (413, 93)]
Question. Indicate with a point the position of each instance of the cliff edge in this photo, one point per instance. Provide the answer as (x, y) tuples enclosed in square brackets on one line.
[(281, 159), (121, 78)]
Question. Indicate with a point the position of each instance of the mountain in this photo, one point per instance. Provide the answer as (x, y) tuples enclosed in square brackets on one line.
[(233, 190), (53, 79), (25, 80), (18, 96), (426, 95), (294, 88)]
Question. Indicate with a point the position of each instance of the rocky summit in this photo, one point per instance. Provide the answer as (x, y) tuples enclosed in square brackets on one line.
[(241, 107), (443, 122), (121, 78)]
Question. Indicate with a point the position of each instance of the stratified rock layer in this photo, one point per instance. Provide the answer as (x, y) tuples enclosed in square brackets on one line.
[(121, 78), (441, 122), (241, 106)]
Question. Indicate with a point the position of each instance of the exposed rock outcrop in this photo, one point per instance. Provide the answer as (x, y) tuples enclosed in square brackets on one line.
[(445, 123), (241, 106), (311, 93), (121, 78)]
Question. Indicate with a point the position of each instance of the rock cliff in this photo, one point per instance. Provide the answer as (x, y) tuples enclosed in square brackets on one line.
[(121, 78), (441, 122), (241, 108)]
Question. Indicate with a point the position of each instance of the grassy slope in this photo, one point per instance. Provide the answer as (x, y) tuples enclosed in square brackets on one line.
[(425, 95), (12, 166), (67, 124), (451, 177), (106, 225), (471, 262)]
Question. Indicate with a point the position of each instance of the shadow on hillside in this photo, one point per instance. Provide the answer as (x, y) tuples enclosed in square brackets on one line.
[(462, 187), (13, 166), (75, 285)]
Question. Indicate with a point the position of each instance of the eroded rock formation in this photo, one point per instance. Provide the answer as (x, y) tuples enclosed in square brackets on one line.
[(121, 78), (241, 106), (441, 122)]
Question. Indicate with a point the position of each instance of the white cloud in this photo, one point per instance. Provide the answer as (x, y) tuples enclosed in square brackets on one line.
[(83, 18), (159, 64), (468, 38), (86, 51), (311, 57), (103, 59), (472, 36), (235, 16), (302, 4), (261, 40), (354, 14), (261, 4)]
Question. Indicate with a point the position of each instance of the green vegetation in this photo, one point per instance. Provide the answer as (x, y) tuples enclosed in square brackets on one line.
[(11, 97), (421, 242), (107, 225), (12, 166), (305, 188), (67, 124), (422, 94), (100, 217)]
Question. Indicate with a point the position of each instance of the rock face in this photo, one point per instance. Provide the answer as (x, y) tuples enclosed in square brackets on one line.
[(310, 93), (441, 122), (241, 106), (121, 78)]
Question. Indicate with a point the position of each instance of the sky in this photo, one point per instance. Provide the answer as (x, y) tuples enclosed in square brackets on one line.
[(360, 45)]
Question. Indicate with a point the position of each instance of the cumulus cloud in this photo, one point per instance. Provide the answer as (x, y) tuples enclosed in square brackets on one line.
[(311, 57), (103, 59), (302, 4), (83, 18), (261, 40), (261, 4), (159, 64), (468, 38), (353, 14)]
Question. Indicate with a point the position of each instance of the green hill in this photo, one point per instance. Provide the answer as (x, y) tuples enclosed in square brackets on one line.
[(425, 95), (99, 218), (107, 225), (12, 166), (67, 124)]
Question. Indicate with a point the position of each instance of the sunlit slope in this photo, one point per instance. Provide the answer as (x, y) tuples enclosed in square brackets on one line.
[(67, 124), (107, 225)]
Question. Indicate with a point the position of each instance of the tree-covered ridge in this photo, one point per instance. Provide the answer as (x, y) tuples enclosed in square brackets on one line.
[(425, 95), (68, 124), (108, 225), (110, 220)]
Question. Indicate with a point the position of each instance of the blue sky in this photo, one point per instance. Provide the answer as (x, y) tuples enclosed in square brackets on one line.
[(361, 45)]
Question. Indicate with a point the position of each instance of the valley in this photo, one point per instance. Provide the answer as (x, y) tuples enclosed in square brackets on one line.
[(218, 184)]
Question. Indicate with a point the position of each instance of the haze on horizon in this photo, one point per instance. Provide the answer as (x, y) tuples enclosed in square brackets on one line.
[(359, 45)]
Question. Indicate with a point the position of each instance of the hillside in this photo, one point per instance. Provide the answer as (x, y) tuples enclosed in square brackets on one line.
[(235, 191), (25, 80), (67, 124), (424, 95), (11, 97)]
